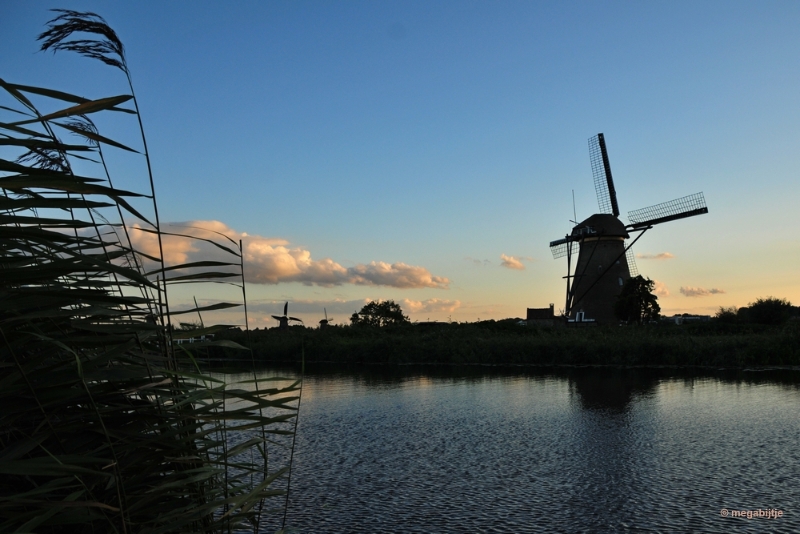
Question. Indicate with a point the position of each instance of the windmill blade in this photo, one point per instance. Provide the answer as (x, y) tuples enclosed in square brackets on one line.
[(295, 319), (680, 208), (601, 170), (632, 268), (560, 247), (286, 308), (326, 314), (277, 317)]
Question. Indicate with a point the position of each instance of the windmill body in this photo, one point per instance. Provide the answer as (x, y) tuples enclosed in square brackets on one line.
[(605, 261), (602, 267)]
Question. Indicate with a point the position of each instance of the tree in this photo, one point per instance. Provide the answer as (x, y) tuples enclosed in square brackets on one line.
[(727, 315), (379, 313), (770, 310), (637, 303)]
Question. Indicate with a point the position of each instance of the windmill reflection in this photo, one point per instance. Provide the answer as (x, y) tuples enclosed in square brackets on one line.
[(612, 467), (610, 389)]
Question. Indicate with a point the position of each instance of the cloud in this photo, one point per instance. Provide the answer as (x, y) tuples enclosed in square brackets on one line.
[(378, 273), (514, 262), (274, 261), (431, 305), (479, 263), (659, 256), (699, 291), (660, 289)]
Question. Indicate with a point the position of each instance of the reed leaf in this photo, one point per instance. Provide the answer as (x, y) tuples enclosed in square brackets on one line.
[(196, 264), (209, 241), (43, 144), (217, 306), (92, 106), (94, 136), (44, 91)]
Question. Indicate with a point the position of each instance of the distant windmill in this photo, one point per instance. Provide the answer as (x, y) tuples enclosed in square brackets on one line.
[(283, 321), (323, 323), (604, 261)]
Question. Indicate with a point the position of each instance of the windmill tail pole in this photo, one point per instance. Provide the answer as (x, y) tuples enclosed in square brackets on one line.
[(569, 271), (571, 296)]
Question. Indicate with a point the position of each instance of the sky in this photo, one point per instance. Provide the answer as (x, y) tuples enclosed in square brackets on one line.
[(428, 152)]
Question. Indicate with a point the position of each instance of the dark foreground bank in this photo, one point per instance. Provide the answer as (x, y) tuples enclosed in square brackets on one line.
[(505, 342)]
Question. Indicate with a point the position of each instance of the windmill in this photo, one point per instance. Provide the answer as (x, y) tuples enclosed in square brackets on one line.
[(283, 320), (605, 262), (324, 323)]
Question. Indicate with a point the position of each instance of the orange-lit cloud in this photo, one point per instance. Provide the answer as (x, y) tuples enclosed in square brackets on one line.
[(273, 261), (659, 256), (514, 262), (660, 289), (699, 291), (378, 273), (176, 249), (431, 305)]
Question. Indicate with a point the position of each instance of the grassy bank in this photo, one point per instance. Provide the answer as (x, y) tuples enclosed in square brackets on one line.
[(503, 342)]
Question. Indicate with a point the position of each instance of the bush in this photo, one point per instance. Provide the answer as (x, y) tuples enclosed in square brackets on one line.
[(770, 310), (726, 315)]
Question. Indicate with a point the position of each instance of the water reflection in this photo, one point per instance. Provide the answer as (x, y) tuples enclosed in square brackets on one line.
[(608, 478), (600, 388), (436, 449)]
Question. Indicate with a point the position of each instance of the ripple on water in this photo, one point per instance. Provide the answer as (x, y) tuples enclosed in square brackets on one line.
[(543, 454)]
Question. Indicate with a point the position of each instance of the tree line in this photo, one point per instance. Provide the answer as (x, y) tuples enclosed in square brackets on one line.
[(637, 304)]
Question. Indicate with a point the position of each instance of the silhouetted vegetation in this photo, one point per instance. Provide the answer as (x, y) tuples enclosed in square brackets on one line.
[(770, 310), (379, 314), (727, 314), (107, 426), (764, 311), (636, 303), (711, 343)]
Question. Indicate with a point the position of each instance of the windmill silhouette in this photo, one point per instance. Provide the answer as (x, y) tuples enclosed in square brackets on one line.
[(283, 320), (605, 262), (324, 323)]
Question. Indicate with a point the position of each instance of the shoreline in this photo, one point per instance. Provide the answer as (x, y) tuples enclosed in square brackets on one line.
[(269, 363), (709, 346)]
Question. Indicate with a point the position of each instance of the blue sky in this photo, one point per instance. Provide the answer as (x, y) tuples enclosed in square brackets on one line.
[(402, 150)]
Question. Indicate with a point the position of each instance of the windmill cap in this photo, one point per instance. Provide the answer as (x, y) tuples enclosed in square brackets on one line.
[(601, 224)]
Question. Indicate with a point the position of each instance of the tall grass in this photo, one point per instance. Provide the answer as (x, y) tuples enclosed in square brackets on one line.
[(105, 426), (504, 343)]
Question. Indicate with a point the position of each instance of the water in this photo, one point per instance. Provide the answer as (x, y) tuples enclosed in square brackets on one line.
[(584, 450)]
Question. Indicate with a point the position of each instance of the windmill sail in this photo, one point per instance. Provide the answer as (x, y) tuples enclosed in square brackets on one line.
[(679, 208), (601, 170), (631, 263), (560, 248)]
